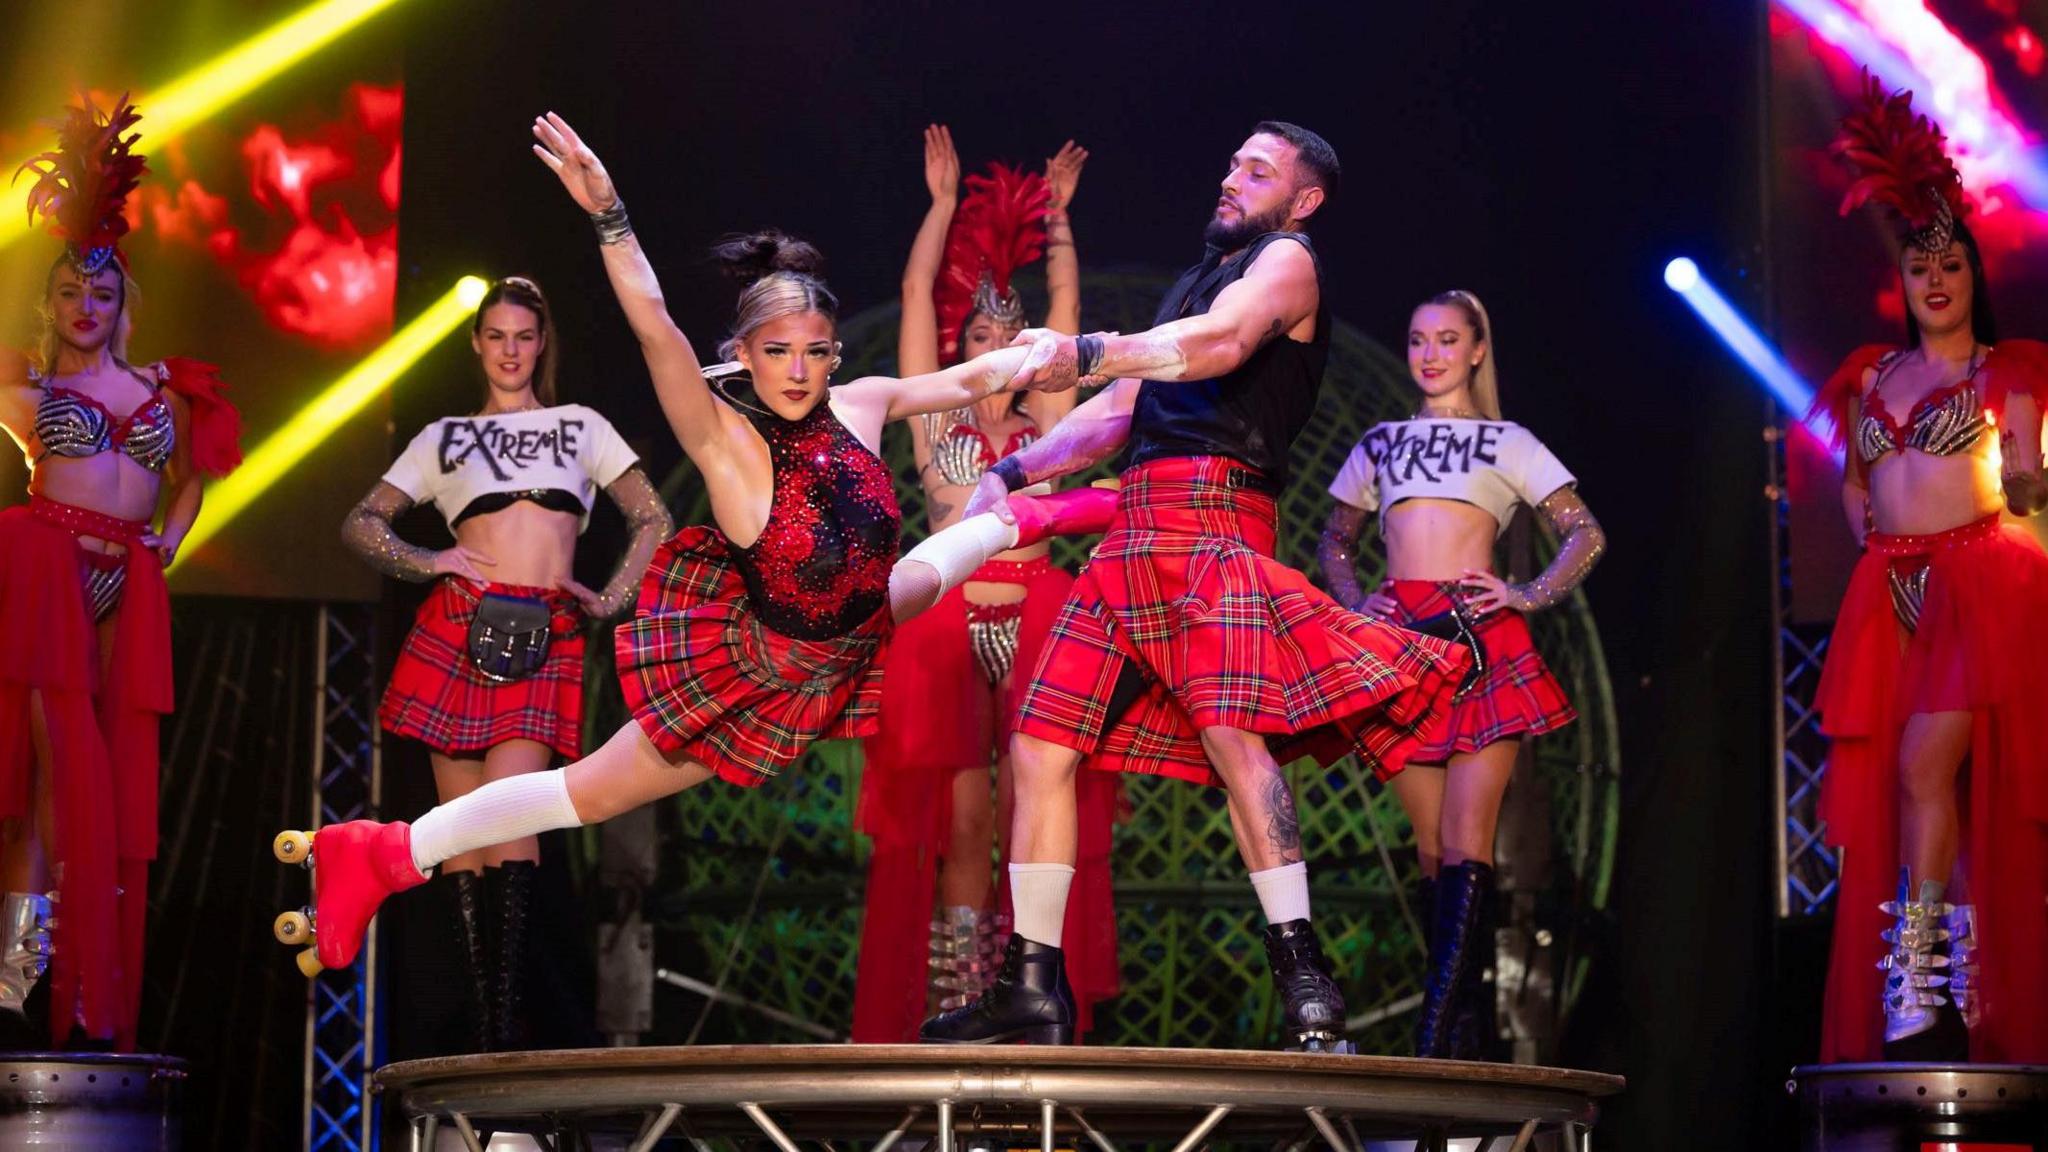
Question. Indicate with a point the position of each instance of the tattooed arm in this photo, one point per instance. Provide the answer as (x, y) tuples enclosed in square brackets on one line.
[(1092, 432), (1277, 293)]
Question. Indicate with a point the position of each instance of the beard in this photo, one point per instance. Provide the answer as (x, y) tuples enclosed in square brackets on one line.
[(1227, 237)]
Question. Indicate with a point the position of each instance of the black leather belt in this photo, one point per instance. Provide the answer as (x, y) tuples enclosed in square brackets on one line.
[(1249, 478)]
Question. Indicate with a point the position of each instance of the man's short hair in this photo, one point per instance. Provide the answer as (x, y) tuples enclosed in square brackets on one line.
[(1315, 154)]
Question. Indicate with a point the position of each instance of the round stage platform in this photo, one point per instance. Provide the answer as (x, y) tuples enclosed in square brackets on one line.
[(1907, 1107), (961, 1097)]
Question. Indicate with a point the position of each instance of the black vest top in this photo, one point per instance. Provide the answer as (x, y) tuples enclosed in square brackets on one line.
[(1251, 415)]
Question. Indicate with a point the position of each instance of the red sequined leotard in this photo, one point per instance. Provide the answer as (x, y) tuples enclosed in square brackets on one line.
[(821, 566)]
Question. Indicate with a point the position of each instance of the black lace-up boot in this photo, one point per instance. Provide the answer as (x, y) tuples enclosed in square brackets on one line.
[(1313, 1018), (1029, 1003)]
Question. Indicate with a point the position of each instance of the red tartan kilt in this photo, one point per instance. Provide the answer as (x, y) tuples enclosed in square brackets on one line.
[(1185, 589), (1518, 696), (438, 697), (706, 679)]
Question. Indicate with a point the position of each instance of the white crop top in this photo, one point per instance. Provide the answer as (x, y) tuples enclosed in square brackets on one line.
[(568, 448), (1489, 464)]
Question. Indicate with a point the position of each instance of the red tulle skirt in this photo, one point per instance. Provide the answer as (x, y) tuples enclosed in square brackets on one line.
[(1978, 647), (103, 740), (438, 697), (941, 716), (1518, 696), (704, 678)]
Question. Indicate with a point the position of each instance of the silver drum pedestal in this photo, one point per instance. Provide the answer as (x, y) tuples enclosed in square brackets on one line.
[(966, 1098), (85, 1102), (1903, 1107)]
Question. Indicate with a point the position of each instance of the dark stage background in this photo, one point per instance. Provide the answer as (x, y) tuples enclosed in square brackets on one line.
[(1550, 159)]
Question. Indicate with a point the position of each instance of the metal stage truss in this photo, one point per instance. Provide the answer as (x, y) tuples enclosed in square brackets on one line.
[(1806, 871), (1017, 1097), (342, 1029)]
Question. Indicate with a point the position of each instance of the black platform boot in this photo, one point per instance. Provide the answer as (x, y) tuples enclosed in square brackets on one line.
[(1460, 888), (1313, 1018), (472, 946), (1029, 1002), (1472, 1014), (511, 891)]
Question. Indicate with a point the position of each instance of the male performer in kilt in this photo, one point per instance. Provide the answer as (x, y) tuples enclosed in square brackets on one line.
[(1186, 649)]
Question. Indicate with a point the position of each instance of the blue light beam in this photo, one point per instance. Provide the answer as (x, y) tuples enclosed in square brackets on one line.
[(1683, 276)]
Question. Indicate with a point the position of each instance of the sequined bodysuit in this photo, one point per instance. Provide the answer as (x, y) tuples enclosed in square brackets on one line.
[(1947, 422), (821, 566)]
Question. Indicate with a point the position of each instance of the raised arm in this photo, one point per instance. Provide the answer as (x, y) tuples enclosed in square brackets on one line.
[(1062, 273), (917, 333), (1062, 263), (695, 415), (1276, 294)]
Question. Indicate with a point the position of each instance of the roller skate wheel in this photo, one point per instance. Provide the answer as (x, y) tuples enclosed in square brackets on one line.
[(293, 847), (292, 928), (309, 963)]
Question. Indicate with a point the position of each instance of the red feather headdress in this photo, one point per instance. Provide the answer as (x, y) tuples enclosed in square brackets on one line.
[(999, 228), (1901, 165), (82, 185)]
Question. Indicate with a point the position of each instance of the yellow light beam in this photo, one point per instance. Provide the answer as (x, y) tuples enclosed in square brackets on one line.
[(309, 427), (171, 110)]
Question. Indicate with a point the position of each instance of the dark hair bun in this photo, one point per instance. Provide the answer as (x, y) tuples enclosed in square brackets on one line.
[(748, 258)]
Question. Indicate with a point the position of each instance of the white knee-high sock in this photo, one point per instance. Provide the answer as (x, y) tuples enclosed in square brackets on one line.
[(502, 810), (956, 551), (1283, 892), (1038, 898)]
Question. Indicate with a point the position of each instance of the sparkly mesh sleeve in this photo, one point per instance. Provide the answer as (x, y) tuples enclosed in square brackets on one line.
[(367, 530), (1580, 545), (648, 520)]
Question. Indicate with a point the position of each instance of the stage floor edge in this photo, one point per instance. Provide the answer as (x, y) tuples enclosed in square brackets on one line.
[(1045, 1096)]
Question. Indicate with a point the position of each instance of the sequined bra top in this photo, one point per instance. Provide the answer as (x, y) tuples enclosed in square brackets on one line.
[(821, 566), (962, 452), (72, 424), (1947, 422)]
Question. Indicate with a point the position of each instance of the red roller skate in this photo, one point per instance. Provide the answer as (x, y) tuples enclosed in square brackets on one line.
[(355, 866), (1074, 512)]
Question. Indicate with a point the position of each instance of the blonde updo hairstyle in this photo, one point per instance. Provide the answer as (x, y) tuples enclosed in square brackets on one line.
[(781, 274)]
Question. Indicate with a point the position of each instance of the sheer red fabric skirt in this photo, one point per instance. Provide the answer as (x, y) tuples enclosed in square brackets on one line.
[(101, 709), (940, 717), (1978, 646)]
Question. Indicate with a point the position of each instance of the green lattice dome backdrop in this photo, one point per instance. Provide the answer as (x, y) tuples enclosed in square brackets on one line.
[(760, 890)]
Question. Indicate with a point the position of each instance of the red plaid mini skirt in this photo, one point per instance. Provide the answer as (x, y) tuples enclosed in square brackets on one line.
[(1184, 591), (706, 679), (1517, 697), (438, 697)]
